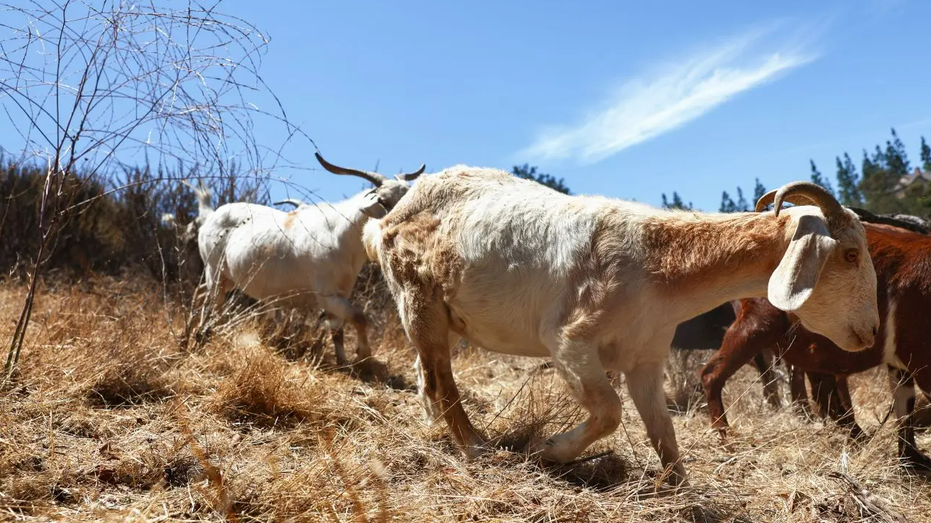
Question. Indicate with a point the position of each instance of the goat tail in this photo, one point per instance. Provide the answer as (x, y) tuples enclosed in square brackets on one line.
[(371, 239), (204, 207)]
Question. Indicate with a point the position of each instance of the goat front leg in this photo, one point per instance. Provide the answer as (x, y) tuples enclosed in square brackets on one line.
[(848, 419), (765, 365), (833, 398), (578, 363), (797, 390), (645, 385), (738, 348), (903, 404)]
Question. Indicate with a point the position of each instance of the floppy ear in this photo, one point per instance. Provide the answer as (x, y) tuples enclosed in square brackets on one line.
[(373, 208), (793, 281)]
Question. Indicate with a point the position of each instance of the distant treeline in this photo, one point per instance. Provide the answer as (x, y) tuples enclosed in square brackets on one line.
[(886, 182), (104, 225), (109, 225), (112, 224)]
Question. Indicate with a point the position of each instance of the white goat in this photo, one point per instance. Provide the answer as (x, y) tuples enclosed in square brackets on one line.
[(309, 257), (601, 284)]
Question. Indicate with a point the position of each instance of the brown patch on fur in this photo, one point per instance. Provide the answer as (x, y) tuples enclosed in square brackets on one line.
[(289, 220), (415, 253), (684, 251)]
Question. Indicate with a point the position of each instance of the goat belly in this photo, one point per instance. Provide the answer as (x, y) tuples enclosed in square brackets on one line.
[(496, 329)]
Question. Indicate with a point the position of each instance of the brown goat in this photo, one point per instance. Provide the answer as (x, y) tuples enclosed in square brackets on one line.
[(902, 260)]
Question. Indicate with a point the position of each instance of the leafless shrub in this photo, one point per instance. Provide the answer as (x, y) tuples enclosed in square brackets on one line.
[(90, 87)]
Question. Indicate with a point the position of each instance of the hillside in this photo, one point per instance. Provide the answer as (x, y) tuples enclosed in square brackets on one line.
[(111, 420)]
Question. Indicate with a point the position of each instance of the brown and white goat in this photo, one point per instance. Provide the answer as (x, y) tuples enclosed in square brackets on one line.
[(600, 284), (903, 268)]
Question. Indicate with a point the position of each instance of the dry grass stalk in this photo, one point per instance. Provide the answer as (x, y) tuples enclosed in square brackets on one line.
[(111, 419)]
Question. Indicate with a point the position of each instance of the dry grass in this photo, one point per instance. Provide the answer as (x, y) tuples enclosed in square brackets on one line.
[(110, 419)]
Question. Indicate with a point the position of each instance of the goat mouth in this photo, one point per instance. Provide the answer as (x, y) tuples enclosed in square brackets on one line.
[(864, 341)]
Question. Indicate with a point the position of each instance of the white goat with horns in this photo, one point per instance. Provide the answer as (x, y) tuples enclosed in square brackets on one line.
[(600, 284), (309, 257)]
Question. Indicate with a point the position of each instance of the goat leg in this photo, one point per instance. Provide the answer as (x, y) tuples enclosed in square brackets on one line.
[(903, 404)]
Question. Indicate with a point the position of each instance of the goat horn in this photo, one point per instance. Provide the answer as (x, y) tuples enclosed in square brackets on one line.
[(801, 193), (918, 225), (409, 177), (375, 178), (293, 201)]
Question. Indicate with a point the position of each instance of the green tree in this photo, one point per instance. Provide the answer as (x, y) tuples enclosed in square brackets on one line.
[(741, 204), (878, 183), (676, 203), (879, 158), (925, 155), (896, 157), (848, 182), (818, 178), (727, 204), (758, 191), (529, 172)]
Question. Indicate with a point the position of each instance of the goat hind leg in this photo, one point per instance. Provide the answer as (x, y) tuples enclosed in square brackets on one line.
[(335, 326), (343, 310), (427, 327), (579, 365), (216, 287)]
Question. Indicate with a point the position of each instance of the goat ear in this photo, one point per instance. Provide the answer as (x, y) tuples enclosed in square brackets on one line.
[(793, 281), (373, 208)]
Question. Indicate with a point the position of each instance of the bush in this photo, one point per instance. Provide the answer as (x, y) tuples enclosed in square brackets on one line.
[(106, 225)]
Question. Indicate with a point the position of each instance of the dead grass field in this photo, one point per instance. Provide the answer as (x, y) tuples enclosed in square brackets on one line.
[(111, 420)]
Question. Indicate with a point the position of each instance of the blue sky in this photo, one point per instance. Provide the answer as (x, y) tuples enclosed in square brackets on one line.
[(625, 99)]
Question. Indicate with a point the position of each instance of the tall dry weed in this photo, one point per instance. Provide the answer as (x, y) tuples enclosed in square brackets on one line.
[(111, 419)]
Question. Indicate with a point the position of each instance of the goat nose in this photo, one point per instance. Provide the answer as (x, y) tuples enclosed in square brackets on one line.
[(875, 331)]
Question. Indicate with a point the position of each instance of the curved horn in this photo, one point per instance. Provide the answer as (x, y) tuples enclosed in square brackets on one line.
[(765, 200), (800, 193), (293, 201), (409, 177), (374, 178)]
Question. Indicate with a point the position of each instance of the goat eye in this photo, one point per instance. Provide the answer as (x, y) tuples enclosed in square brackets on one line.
[(852, 255)]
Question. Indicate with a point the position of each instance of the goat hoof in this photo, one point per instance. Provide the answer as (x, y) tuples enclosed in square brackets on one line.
[(915, 460), (722, 438), (476, 450), (675, 477), (370, 369), (858, 435), (549, 451)]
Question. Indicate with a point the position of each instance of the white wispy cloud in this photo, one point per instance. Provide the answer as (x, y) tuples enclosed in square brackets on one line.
[(672, 96)]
